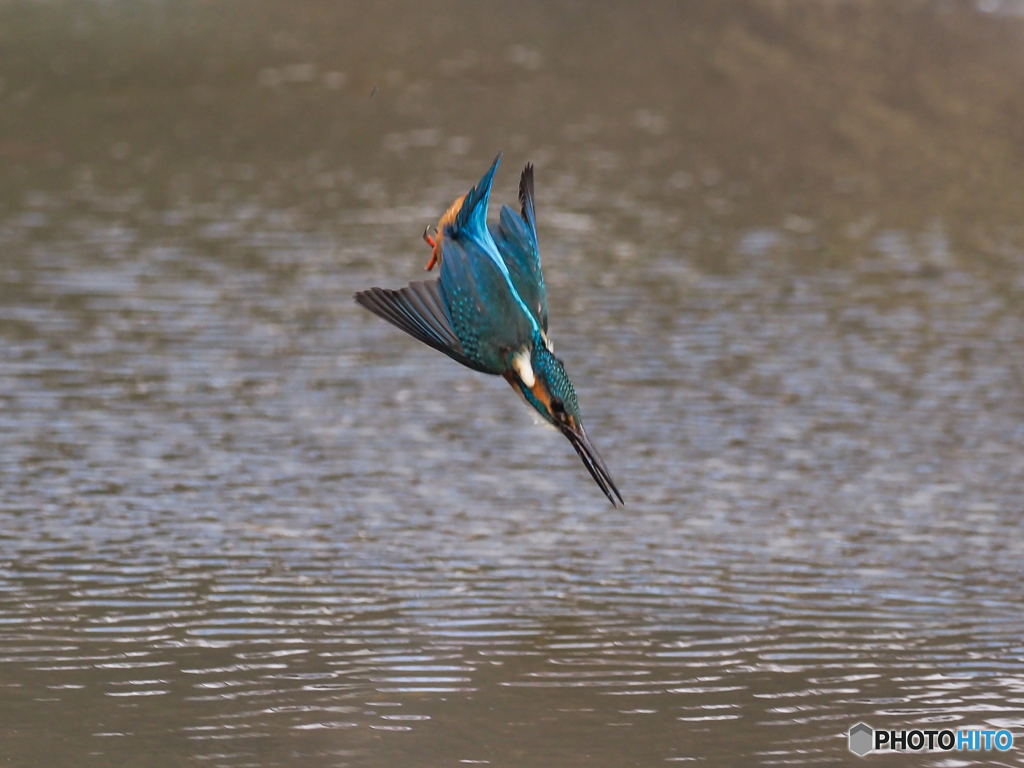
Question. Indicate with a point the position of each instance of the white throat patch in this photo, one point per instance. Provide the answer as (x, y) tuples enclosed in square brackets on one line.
[(521, 365)]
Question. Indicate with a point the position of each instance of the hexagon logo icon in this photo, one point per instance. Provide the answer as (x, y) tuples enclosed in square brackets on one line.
[(861, 736)]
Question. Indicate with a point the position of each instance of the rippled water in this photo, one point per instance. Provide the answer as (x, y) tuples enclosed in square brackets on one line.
[(245, 522)]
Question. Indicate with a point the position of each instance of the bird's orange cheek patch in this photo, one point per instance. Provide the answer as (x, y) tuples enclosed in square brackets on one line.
[(540, 392)]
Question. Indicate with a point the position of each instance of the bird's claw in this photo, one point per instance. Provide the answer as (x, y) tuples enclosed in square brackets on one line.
[(432, 243)]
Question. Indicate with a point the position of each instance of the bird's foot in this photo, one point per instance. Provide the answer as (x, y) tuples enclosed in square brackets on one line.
[(433, 244)]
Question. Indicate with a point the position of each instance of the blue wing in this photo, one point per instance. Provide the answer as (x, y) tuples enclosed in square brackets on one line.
[(516, 238), (419, 310)]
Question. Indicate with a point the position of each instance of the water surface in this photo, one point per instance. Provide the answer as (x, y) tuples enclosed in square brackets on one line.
[(246, 523)]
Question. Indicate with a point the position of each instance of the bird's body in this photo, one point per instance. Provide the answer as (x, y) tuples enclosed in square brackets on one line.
[(488, 310)]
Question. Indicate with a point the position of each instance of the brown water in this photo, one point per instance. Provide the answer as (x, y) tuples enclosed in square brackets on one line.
[(245, 523)]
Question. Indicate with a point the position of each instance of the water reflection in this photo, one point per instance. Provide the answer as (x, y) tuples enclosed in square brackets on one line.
[(245, 524)]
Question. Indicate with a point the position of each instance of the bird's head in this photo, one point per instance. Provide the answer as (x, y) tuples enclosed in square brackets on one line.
[(541, 379)]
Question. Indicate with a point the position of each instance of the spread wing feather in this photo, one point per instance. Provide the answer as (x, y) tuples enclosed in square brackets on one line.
[(418, 309)]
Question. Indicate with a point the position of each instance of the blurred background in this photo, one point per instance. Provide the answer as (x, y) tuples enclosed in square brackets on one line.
[(244, 522)]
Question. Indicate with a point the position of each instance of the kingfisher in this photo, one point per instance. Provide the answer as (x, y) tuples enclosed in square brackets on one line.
[(488, 309)]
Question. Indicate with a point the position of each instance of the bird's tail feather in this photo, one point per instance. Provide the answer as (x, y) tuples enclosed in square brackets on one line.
[(472, 217)]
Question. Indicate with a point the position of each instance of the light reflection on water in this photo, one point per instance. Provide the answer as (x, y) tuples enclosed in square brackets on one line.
[(245, 523)]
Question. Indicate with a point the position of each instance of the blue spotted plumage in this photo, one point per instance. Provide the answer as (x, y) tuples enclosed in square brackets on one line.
[(488, 310)]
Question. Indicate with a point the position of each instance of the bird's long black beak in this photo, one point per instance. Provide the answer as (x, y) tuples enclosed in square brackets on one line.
[(593, 462)]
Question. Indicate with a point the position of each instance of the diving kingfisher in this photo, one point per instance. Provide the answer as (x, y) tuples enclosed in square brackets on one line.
[(488, 309)]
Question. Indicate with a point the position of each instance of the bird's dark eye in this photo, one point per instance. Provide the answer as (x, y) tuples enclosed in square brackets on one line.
[(557, 406)]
